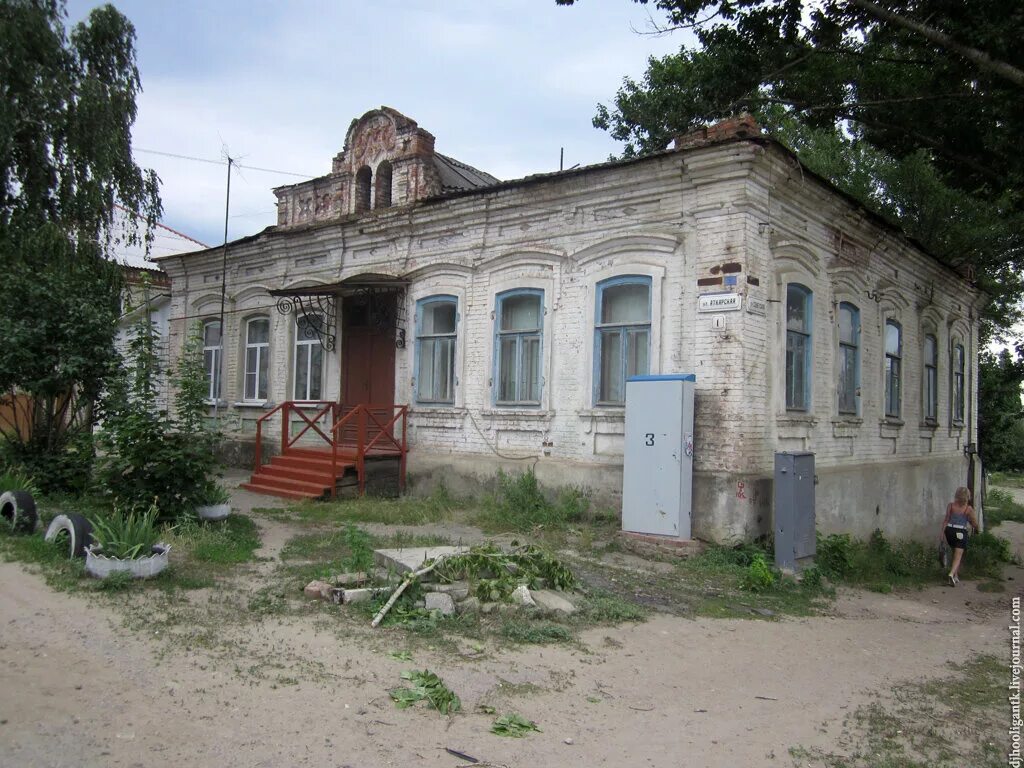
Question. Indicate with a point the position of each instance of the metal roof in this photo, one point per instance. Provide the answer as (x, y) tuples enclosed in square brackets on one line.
[(456, 175)]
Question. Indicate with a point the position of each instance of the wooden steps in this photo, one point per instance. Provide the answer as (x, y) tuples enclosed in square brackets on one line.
[(299, 474)]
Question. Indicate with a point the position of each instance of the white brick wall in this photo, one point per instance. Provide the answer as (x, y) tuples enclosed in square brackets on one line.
[(677, 218)]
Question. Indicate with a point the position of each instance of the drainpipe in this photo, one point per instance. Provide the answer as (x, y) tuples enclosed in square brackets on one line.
[(971, 448)]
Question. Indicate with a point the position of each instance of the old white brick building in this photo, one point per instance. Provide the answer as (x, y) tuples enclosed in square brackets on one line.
[(507, 315)]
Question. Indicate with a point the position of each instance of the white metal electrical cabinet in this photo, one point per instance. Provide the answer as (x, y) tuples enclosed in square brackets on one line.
[(658, 469)]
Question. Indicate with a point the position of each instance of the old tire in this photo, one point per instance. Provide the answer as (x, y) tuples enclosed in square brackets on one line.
[(18, 508), (73, 527)]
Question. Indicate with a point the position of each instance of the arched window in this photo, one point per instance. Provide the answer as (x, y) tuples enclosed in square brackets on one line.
[(364, 179), (382, 197), (309, 357), (622, 336), (436, 333), (519, 327), (930, 383), (798, 347), (893, 368), (212, 350), (957, 399), (257, 358), (849, 358)]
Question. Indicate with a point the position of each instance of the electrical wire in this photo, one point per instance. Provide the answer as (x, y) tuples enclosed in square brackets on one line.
[(221, 162)]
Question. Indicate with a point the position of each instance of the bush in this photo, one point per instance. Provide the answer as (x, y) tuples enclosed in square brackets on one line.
[(986, 555), (759, 576), (835, 555), (151, 457)]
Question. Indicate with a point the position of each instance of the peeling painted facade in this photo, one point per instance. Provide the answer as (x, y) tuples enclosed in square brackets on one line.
[(518, 308)]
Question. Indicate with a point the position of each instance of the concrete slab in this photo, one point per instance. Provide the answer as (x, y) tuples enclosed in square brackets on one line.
[(411, 558)]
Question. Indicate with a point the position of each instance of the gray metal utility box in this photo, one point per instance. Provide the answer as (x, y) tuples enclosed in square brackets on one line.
[(794, 508), (658, 466)]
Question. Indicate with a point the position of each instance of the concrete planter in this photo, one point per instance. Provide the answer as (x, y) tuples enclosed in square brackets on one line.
[(213, 511), (101, 566)]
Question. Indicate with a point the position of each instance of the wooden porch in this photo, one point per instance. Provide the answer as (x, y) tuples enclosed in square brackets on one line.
[(337, 442)]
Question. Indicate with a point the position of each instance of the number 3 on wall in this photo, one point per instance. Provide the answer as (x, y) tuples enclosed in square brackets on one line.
[(649, 438)]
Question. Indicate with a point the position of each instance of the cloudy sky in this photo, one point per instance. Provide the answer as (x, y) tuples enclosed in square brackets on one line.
[(502, 85)]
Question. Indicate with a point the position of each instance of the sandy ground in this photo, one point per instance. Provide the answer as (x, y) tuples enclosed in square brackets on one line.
[(77, 689)]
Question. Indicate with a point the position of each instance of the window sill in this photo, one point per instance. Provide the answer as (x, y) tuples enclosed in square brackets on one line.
[(216, 403), (796, 418), (603, 413), (518, 413), (262, 404), (846, 426), (890, 428), (930, 426), (438, 408)]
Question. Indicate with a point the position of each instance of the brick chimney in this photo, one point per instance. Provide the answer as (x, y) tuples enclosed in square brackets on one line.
[(741, 126)]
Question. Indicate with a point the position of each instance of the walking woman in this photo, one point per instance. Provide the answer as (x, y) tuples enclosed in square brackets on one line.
[(959, 514)]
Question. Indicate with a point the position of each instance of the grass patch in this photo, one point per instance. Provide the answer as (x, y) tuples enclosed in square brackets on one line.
[(946, 723), (535, 633), (231, 541), (1000, 506), (200, 553), (404, 510), (1008, 479), (519, 504), (881, 565)]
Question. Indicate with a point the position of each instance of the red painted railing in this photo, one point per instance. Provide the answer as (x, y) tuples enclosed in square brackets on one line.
[(347, 428)]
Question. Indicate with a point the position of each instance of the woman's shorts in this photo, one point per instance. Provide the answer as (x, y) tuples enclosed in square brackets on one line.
[(956, 537)]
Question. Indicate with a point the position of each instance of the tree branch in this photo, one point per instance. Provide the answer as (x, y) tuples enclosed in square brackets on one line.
[(982, 59)]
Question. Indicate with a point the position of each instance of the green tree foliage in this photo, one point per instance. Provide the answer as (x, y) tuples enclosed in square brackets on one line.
[(151, 457), (67, 104), (915, 108), (889, 69), (1000, 414), (958, 226)]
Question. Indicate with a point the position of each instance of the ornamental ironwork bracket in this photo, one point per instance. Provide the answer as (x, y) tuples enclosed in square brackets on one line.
[(320, 311)]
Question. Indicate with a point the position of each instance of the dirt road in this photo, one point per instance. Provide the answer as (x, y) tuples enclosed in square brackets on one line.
[(78, 689)]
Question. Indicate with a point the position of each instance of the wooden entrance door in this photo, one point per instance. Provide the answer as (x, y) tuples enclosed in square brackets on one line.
[(368, 350)]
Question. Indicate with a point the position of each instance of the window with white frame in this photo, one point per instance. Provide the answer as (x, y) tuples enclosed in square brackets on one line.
[(212, 351), (436, 332), (849, 358), (309, 357), (622, 336), (257, 358), (519, 325), (798, 347), (893, 368), (930, 384), (958, 383)]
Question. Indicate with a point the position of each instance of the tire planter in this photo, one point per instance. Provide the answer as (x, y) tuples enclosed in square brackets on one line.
[(18, 508), (213, 512), (101, 566), (75, 529)]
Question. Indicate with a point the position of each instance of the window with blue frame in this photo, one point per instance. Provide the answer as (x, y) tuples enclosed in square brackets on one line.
[(212, 351), (798, 347), (622, 336), (519, 326), (957, 369), (436, 334), (849, 358), (893, 368), (930, 395)]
